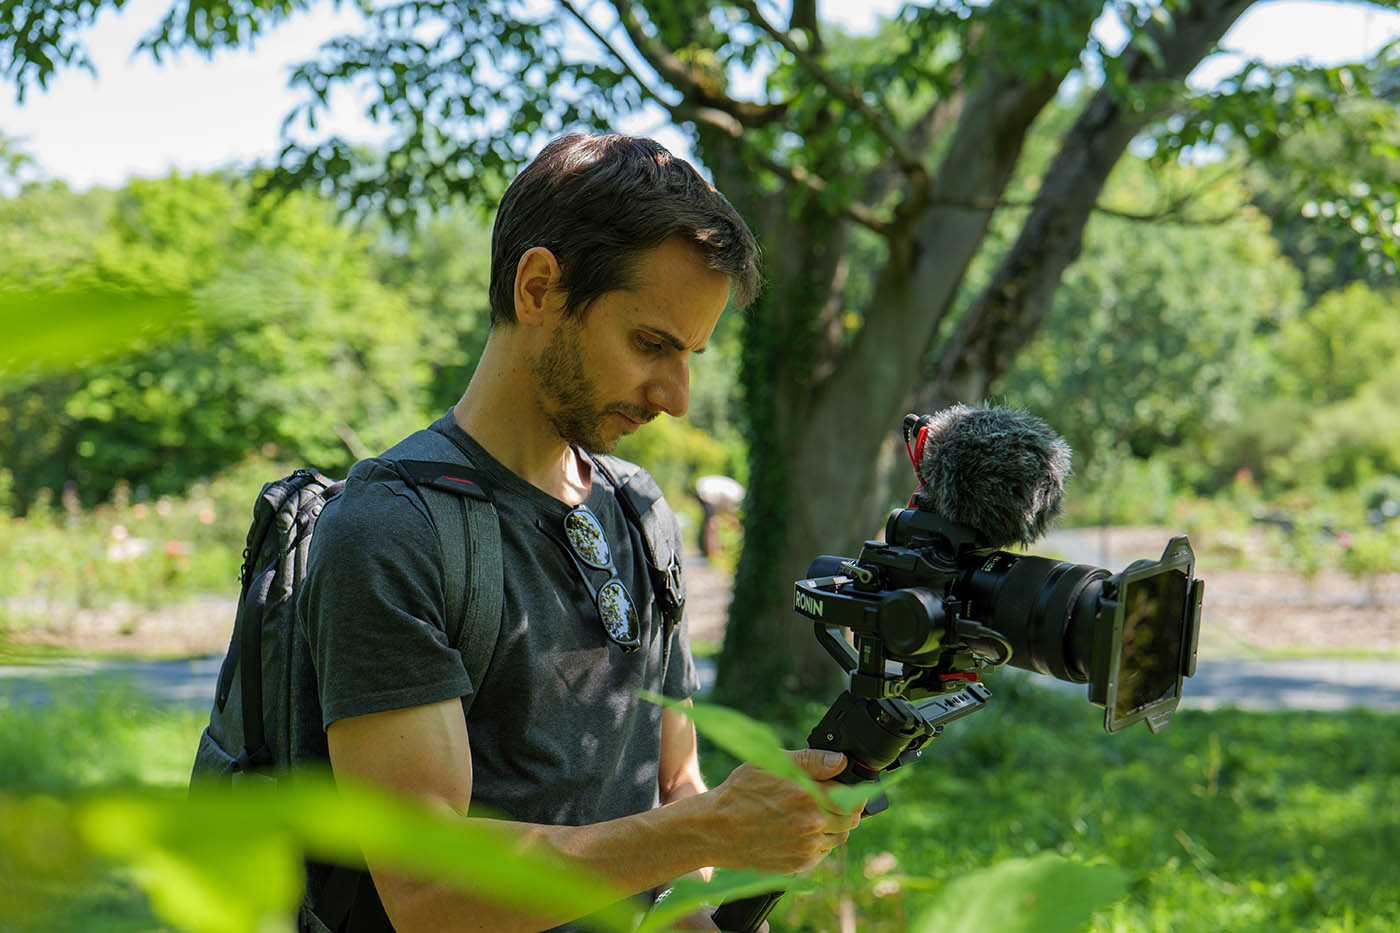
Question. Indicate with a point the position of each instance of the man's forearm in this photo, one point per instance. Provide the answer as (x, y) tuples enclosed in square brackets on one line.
[(628, 855), (690, 785)]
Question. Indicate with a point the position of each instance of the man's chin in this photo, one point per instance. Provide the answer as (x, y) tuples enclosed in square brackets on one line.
[(600, 445), (598, 441), (600, 435)]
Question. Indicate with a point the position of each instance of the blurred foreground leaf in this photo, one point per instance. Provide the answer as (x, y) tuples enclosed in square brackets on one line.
[(1043, 894), (689, 894), (758, 744), (70, 328), (233, 862), (741, 736), (38, 850)]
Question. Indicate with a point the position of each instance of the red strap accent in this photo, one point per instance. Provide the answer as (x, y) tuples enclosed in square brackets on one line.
[(916, 453), (919, 445), (967, 676)]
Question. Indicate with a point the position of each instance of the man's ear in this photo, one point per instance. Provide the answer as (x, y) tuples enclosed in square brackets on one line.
[(537, 291)]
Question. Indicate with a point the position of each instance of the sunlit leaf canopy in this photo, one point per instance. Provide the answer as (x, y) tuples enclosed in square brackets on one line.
[(472, 89)]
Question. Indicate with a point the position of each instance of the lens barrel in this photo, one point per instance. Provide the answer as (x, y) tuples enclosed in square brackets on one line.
[(1045, 609)]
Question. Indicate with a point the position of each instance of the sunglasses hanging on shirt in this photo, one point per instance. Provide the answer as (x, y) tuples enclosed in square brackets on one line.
[(587, 546)]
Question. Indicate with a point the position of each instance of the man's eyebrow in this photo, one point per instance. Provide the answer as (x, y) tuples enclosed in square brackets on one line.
[(670, 339)]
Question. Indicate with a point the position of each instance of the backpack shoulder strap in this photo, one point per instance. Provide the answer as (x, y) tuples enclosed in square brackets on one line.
[(645, 507), (458, 498)]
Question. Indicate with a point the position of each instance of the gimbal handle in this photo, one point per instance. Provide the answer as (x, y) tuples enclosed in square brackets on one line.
[(875, 736)]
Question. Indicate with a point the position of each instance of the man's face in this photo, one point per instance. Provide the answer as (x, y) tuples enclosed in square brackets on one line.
[(626, 359)]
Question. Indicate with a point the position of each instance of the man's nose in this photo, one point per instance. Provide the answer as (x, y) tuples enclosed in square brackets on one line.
[(670, 391)]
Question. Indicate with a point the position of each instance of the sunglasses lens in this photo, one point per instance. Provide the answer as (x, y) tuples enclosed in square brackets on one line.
[(586, 538), (619, 614)]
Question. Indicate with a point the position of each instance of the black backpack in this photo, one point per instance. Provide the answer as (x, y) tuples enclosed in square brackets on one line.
[(251, 732)]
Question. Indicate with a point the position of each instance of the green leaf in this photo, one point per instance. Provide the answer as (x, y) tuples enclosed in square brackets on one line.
[(690, 894), (752, 741), (855, 796), (39, 853), (222, 868), (745, 738), (1043, 894)]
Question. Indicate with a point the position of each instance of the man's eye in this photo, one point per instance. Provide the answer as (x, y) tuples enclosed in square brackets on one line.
[(651, 346)]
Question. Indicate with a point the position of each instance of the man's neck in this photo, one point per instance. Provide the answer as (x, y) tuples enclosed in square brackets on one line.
[(502, 413)]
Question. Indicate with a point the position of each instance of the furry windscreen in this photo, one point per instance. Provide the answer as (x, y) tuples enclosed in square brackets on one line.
[(998, 471)]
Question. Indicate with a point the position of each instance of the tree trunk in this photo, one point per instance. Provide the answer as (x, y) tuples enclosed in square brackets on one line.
[(1011, 309), (769, 654)]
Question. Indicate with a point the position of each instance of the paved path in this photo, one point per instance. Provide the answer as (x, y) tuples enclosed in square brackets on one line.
[(1310, 683), (1302, 684), (186, 681)]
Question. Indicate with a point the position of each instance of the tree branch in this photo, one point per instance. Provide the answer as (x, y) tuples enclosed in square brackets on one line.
[(911, 164), (937, 120), (732, 127), (693, 84), (804, 19), (1173, 211), (615, 53), (1007, 314), (857, 211)]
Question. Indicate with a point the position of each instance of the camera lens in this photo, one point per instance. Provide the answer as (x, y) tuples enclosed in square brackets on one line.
[(1044, 608)]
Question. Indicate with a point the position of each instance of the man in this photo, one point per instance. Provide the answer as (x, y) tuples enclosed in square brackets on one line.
[(611, 263)]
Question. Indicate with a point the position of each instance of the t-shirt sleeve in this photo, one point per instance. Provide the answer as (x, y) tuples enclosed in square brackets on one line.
[(371, 606)]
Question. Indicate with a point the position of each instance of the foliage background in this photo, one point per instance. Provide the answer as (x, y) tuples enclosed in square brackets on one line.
[(1233, 360)]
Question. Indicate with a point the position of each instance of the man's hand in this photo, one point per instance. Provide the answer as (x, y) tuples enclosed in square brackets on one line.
[(772, 824)]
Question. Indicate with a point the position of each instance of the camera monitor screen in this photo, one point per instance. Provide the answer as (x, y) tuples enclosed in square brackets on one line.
[(1149, 662)]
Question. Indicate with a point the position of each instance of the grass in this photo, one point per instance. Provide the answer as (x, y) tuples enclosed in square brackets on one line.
[(97, 735), (1227, 821), (61, 558)]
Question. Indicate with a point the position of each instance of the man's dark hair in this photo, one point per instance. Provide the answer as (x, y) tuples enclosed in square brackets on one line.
[(596, 203)]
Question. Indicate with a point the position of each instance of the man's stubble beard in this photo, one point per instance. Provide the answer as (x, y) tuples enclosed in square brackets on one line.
[(577, 417)]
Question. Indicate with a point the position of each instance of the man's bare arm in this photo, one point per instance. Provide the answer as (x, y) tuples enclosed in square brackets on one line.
[(752, 820), (679, 774)]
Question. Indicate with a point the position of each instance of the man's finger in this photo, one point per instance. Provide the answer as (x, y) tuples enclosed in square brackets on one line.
[(820, 764)]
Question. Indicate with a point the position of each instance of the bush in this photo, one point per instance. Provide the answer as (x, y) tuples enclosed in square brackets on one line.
[(1120, 489), (132, 549), (1349, 443), (289, 341), (1369, 553)]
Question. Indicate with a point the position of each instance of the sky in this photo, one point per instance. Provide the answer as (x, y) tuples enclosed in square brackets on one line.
[(137, 118)]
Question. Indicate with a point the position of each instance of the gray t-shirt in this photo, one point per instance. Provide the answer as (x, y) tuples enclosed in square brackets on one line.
[(558, 734)]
